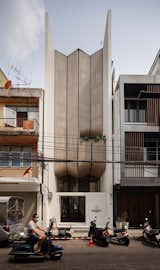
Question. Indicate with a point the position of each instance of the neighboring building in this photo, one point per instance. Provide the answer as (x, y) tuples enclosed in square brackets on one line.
[(78, 127), (136, 145), (3, 78), (19, 145)]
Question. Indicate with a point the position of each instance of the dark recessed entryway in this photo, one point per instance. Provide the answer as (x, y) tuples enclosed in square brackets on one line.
[(72, 209), (136, 205)]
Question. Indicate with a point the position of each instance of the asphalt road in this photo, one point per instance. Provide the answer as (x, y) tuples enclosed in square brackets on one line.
[(77, 255)]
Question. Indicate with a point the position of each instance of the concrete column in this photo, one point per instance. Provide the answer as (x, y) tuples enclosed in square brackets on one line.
[(48, 175), (107, 181)]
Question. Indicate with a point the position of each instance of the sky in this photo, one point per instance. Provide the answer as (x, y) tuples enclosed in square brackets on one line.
[(76, 24)]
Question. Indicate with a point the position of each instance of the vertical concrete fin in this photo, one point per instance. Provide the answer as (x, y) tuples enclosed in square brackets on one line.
[(49, 183), (60, 112), (106, 183)]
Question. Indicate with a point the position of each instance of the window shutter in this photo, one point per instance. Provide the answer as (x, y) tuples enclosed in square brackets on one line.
[(9, 117)]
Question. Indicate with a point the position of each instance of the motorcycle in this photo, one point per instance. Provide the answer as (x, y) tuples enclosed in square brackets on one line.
[(150, 235), (11, 219), (64, 233), (118, 236), (4, 236), (100, 236), (25, 249), (61, 232)]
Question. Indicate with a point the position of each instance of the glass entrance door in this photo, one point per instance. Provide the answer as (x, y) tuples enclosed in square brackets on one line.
[(72, 209)]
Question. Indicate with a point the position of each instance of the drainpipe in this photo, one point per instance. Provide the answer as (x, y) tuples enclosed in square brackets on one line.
[(42, 162)]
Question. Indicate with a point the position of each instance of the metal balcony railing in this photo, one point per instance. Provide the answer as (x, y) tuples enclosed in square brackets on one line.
[(142, 171)]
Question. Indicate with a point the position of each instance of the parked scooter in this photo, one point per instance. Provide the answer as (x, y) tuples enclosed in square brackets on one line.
[(11, 219), (100, 236), (64, 233), (25, 249), (150, 235), (118, 236), (4, 235), (61, 232)]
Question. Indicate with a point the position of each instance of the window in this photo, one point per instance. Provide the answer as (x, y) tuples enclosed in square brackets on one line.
[(20, 117), (4, 159), (12, 156), (151, 150), (142, 111), (72, 209), (15, 159), (27, 156), (15, 116), (69, 184), (151, 153), (135, 111), (83, 185)]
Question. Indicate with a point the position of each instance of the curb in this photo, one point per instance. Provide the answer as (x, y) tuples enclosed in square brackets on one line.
[(70, 238), (137, 238)]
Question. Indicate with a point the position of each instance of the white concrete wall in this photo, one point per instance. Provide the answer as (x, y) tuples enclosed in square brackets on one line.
[(49, 184), (98, 202), (107, 181), (51, 206), (40, 120), (155, 68), (95, 203)]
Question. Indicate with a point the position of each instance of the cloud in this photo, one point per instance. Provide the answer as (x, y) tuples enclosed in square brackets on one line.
[(21, 26)]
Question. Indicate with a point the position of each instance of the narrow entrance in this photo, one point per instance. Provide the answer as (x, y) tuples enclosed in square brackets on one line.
[(20, 117), (136, 204), (72, 209)]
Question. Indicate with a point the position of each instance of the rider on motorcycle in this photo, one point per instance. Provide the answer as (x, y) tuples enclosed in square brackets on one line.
[(36, 233)]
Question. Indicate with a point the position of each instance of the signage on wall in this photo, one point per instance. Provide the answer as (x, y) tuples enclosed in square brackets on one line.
[(96, 209)]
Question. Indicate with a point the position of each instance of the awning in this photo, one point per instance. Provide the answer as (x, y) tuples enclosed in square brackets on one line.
[(19, 184)]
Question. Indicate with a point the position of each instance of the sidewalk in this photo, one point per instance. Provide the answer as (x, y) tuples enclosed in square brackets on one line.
[(134, 233), (83, 235)]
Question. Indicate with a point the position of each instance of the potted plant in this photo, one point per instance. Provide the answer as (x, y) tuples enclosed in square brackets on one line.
[(119, 223), (122, 221)]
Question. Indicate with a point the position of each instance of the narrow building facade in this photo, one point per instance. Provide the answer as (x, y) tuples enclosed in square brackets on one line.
[(136, 147), (78, 134)]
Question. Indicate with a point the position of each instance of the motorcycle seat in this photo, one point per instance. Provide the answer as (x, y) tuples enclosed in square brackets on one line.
[(20, 242), (100, 229)]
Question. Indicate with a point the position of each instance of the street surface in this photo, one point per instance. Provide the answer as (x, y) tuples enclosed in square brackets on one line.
[(77, 255)]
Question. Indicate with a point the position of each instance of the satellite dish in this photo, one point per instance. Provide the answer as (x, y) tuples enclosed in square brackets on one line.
[(8, 84)]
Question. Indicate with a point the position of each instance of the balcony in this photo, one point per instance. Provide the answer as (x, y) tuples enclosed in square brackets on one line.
[(142, 171), (18, 126), (141, 175), (17, 172)]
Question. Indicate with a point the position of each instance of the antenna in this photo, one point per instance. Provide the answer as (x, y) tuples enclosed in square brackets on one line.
[(17, 76)]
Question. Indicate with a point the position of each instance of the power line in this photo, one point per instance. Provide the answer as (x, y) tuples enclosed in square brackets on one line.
[(47, 159)]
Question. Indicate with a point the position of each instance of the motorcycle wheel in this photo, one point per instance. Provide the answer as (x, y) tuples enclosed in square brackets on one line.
[(104, 243), (55, 258), (125, 241)]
